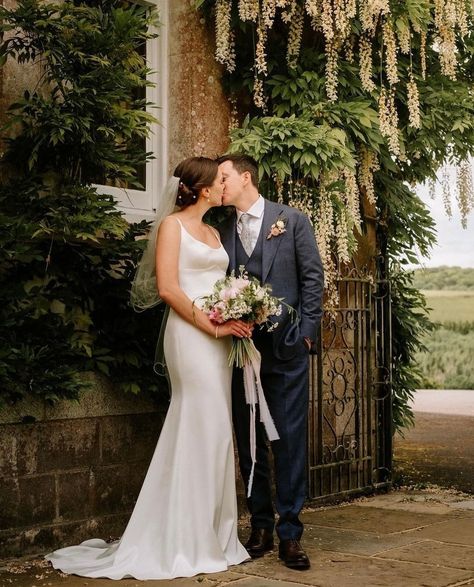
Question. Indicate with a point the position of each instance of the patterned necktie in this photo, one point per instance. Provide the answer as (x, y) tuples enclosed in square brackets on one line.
[(246, 234)]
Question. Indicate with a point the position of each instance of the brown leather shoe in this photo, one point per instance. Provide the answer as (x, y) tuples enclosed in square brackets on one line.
[(259, 542), (293, 555)]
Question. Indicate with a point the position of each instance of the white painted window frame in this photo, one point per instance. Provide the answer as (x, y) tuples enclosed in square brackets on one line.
[(141, 204)]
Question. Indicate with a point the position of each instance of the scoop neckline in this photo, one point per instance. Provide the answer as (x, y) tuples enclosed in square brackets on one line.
[(198, 240)]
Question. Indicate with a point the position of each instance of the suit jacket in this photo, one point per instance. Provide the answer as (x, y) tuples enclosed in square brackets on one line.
[(292, 266)]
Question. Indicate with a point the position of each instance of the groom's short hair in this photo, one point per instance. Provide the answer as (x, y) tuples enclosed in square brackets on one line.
[(242, 163)]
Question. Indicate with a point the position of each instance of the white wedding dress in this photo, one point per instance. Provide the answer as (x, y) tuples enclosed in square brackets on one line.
[(185, 518)]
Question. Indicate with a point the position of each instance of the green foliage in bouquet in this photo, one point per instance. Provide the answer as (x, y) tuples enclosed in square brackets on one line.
[(67, 255)]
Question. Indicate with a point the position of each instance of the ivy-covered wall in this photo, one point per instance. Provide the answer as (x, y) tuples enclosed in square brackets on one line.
[(345, 103), (67, 255)]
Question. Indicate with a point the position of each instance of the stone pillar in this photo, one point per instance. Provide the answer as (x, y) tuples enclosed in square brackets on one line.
[(198, 109)]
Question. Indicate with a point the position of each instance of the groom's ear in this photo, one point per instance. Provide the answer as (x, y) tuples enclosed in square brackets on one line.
[(247, 177)]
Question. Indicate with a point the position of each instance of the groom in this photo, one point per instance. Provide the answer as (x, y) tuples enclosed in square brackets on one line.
[(276, 244)]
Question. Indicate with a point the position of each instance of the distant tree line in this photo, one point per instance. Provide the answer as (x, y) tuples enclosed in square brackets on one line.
[(444, 277)]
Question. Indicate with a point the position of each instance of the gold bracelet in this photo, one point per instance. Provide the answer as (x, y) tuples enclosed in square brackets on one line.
[(194, 314), (217, 331)]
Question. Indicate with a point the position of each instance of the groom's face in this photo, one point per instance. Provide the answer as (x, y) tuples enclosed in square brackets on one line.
[(233, 182)]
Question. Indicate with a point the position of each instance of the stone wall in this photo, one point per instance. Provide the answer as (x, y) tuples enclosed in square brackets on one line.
[(76, 471)]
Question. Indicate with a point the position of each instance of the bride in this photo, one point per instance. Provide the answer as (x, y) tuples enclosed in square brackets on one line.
[(185, 518)]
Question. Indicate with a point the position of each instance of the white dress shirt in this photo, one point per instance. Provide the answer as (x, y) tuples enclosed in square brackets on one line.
[(256, 218)]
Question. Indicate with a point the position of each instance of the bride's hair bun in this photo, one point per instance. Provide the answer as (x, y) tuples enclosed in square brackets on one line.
[(186, 195), (195, 174)]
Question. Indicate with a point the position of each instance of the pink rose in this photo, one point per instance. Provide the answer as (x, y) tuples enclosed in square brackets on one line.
[(215, 316), (228, 293), (241, 283)]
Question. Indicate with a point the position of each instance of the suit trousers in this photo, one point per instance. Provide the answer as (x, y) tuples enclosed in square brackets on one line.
[(285, 384)]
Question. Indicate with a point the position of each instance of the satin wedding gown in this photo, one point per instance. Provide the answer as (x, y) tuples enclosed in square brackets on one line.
[(185, 518)]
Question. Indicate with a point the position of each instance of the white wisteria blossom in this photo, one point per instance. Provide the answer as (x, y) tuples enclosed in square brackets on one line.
[(225, 51), (335, 19), (413, 103)]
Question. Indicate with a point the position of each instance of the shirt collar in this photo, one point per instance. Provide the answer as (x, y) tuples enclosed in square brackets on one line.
[(256, 209)]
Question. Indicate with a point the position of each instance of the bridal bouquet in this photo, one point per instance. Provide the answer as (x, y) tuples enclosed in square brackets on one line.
[(242, 298), (245, 298)]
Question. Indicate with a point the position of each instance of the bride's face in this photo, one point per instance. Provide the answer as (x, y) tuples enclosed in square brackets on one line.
[(216, 190)]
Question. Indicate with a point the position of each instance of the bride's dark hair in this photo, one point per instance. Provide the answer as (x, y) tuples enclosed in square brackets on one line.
[(195, 173)]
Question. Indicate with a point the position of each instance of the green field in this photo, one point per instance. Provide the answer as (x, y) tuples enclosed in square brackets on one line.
[(450, 306), (449, 361)]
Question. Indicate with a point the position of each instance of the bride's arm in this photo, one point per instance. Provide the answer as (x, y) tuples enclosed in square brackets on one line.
[(167, 259)]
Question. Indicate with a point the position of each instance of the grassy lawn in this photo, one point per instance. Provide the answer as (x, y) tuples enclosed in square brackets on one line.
[(449, 361), (450, 306)]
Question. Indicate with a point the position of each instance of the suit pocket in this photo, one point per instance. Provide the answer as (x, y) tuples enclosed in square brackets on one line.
[(288, 344)]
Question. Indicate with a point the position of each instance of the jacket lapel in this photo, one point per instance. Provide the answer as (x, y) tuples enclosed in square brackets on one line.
[(270, 246)]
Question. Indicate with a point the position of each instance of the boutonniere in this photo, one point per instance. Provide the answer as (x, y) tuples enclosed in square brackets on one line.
[(277, 227)]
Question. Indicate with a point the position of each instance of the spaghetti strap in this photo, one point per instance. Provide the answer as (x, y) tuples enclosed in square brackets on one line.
[(185, 231), (215, 233)]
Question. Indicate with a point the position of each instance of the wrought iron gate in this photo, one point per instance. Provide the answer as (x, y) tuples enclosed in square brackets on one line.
[(350, 427)]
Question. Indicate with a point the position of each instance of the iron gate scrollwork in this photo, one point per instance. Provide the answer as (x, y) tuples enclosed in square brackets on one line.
[(350, 427)]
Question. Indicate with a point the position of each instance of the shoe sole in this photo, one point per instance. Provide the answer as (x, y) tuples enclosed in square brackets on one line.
[(299, 566), (260, 553)]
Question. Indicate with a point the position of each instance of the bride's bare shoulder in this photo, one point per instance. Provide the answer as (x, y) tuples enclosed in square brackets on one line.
[(171, 225), (172, 219)]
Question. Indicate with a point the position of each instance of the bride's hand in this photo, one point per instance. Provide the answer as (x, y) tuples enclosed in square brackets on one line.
[(235, 328)]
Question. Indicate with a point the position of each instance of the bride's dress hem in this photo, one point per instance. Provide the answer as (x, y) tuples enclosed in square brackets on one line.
[(148, 577)]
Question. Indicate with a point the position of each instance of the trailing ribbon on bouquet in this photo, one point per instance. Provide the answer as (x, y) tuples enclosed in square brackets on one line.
[(254, 395)]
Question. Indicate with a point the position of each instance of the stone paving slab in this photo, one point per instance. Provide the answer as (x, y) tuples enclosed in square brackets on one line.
[(54, 579), (435, 553), (354, 542), (454, 531), (334, 569), (262, 582), (370, 543), (370, 519), (427, 502), (464, 505), (41, 574)]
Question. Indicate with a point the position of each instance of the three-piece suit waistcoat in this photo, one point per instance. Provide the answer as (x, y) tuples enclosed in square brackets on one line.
[(252, 264)]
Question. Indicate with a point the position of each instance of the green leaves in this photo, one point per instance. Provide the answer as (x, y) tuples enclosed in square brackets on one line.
[(67, 256), (292, 146), (303, 136), (410, 323), (94, 81)]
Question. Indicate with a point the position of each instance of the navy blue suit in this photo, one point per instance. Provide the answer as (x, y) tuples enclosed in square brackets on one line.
[(291, 264)]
